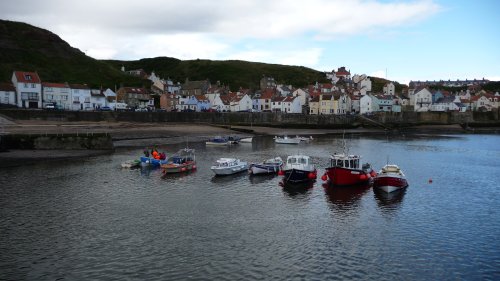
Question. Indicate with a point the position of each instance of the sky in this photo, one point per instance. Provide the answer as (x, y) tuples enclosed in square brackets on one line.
[(395, 39)]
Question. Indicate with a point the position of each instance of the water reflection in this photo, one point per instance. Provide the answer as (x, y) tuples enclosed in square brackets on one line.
[(389, 202), (344, 198), (257, 179), (226, 178), (177, 175), (293, 190)]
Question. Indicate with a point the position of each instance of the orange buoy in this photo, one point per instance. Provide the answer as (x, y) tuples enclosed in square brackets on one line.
[(281, 173), (324, 177)]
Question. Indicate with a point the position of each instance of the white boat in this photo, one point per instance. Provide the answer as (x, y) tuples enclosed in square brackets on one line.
[(269, 166), (229, 166), (304, 139), (248, 140), (299, 169), (390, 178), (286, 140)]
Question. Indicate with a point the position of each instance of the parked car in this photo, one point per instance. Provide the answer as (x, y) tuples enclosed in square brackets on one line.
[(50, 107), (105, 108)]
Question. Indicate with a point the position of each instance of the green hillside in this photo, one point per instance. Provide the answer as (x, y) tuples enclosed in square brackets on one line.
[(233, 73), (27, 48)]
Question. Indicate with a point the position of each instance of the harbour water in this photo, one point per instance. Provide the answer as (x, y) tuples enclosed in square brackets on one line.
[(91, 220)]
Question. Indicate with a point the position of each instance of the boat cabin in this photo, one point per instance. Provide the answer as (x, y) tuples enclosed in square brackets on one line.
[(345, 161), (298, 160), (226, 162)]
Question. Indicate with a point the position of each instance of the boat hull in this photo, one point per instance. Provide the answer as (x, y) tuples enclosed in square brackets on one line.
[(389, 183), (256, 169), (348, 177), (295, 176), (229, 170), (178, 168)]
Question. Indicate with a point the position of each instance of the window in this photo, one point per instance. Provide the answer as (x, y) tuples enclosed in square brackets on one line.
[(27, 77), (32, 85)]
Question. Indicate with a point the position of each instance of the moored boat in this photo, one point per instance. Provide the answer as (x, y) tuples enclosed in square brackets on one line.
[(298, 169), (149, 161), (218, 141), (390, 178), (229, 166), (268, 166), (344, 170), (182, 161), (246, 140), (286, 140)]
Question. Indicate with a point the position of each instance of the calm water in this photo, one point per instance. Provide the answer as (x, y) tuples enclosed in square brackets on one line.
[(92, 220)]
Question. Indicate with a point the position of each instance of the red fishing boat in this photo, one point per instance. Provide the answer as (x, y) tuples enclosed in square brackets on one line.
[(344, 170), (390, 178)]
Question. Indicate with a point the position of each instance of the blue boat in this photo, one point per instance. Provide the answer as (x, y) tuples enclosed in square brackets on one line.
[(151, 161)]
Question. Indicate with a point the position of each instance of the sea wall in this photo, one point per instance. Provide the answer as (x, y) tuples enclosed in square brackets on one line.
[(57, 141), (273, 119)]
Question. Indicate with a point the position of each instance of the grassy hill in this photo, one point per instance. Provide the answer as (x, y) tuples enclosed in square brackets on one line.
[(27, 48), (233, 73)]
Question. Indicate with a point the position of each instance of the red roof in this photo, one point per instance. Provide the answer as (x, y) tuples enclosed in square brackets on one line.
[(27, 77)]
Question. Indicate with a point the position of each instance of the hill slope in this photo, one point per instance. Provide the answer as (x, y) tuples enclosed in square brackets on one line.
[(27, 48), (233, 73)]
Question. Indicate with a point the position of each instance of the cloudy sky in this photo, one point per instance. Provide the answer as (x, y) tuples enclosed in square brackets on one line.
[(398, 39)]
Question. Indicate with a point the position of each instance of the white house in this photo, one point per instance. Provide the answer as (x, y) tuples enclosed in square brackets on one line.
[(389, 89), (80, 95), (302, 95), (284, 90), (241, 103), (343, 103), (7, 94), (97, 98), (481, 103), (110, 98), (423, 100), (292, 105), (57, 94), (28, 89), (444, 104), (368, 104)]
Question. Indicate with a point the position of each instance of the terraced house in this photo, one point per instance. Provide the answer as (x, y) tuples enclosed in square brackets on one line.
[(28, 89)]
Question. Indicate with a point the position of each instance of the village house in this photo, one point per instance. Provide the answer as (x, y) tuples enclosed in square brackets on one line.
[(389, 89), (284, 90), (203, 104), (28, 89), (341, 103), (481, 103), (97, 98), (368, 104), (355, 103), (444, 104), (423, 100), (187, 103), (7, 94), (169, 102), (134, 97), (110, 98), (57, 95), (383, 103), (263, 101), (267, 83), (195, 88), (80, 96)]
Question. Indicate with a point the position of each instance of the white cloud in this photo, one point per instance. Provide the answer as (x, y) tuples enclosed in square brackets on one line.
[(278, 31)]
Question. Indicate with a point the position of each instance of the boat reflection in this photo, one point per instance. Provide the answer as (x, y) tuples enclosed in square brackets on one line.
[(389, 202), (344, 198), (227, 178), (293, 190), (257, 179)]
